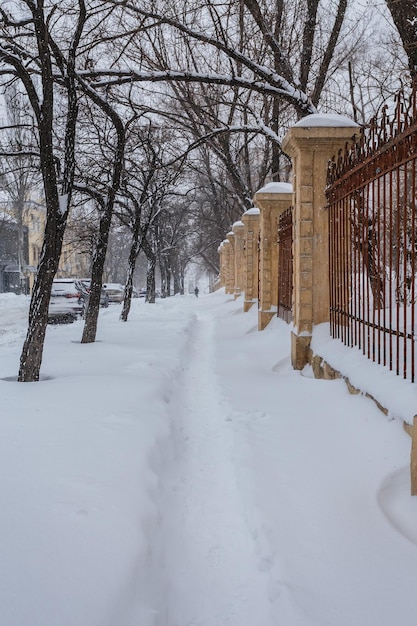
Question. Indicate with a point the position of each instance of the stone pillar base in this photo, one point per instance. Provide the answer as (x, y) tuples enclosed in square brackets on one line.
[(264, 317), (300, 350), (413, 461), (247, 305)]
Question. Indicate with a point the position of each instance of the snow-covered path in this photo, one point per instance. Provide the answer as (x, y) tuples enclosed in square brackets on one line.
[(179, 472), (254, 529), (212, 574)]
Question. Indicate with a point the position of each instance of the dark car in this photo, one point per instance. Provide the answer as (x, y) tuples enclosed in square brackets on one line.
[(104, 298), (67, 302), (115, 292)]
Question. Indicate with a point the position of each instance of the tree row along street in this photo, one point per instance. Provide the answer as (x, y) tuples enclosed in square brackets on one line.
[(147, 129)]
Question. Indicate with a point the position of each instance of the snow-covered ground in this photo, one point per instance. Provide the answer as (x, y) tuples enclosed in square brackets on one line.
[(178, 472)]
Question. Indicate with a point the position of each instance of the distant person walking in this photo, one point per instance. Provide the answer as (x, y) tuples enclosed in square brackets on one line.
[(196, 292)]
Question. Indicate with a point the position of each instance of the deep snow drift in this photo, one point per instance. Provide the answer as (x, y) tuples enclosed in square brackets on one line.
[(178, 472)]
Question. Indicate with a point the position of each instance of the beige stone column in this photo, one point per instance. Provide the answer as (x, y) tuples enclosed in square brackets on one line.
[(251, 220), (310, 144), (230, 250), (226, 263), (272, 200), (238, 229), (222, 264)]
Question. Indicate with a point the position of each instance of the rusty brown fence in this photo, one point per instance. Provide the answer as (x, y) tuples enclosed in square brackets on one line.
[(373, 229), (285, 266)]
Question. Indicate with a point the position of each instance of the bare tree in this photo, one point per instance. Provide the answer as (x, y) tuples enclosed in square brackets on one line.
[(19, 176), (106, 213), (135, 201), (27, 54), (238, 89), (266, 64), (404, 15), (148, 186)]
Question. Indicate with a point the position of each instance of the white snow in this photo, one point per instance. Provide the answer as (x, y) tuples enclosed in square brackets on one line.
[(276, 188), (331, 120), (63, 203), (252, 211), (397, 395), (179, 472)]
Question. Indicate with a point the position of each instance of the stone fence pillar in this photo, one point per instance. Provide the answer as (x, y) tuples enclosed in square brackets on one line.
[(238, 229), (225, 247), (310, 144), (272, 200), (230, 252), (251, 219), (222, 263)]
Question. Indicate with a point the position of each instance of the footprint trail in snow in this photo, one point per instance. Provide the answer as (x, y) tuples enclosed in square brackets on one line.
[(212, 572)]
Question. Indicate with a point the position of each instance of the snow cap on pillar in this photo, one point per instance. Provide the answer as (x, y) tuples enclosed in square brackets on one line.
[(328, 120), (253, 211), (276, 188)]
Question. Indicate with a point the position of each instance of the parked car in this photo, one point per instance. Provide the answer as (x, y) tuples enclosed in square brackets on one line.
[(67, 303), (142, 292), (115, 292), (104, 298)]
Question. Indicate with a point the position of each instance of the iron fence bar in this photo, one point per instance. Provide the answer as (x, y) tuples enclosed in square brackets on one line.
[(398, 268), (259, 270), (285, 265), (413, 260), (342, 261), (384, 264), (405, 264), (391, 265), (366, 303), (334, 261), (330, 270), (374, 267), (355, 273), (381, 266)]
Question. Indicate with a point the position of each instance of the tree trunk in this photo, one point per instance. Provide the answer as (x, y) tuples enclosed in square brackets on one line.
[(163, 281), (99, 258), (150, 275), (168, 278), (57, 205), (176, 272), (31, 356), (150, 280), (404, 15), (182, 279), (127, 298), (133, 255)]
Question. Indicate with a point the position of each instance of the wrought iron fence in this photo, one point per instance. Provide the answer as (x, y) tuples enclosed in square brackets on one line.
[(285, 266), (372, 227)]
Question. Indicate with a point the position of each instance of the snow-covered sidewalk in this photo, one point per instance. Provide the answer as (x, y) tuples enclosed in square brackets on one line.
[(209, 551), (178, 472)]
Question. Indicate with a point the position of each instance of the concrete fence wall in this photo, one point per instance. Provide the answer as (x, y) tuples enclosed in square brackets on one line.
[(249, 254)]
